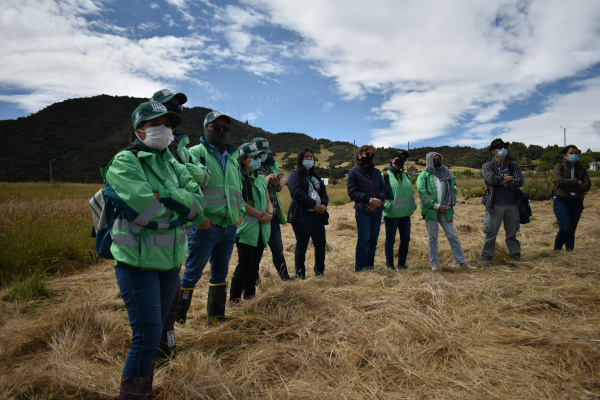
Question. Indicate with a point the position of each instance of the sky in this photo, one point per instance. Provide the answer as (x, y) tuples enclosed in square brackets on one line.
[(397, 73)]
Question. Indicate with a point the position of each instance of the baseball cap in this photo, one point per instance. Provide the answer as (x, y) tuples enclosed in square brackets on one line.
[(213, 115), (262, 144), (152, 109), (248, 150), (164, 95)]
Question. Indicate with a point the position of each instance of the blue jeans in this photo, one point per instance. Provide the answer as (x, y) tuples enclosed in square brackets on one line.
[(567, 212), (391, 226), (276, 246), (148, 296), (314, 229), (368, 227), (215, 243), (432, 232)]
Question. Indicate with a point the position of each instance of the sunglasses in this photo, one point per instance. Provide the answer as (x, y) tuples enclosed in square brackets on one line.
[(219, 127), (178, 108)]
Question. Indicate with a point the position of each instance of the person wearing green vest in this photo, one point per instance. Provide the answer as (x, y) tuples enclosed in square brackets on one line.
[(437, 191), (270, 170), (167, 349), (399, 205), (213, 237), (253, 233), (154, 198)]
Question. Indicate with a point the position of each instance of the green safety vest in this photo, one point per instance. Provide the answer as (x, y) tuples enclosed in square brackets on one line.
[(223, 194), (402, 203), (247, 232)]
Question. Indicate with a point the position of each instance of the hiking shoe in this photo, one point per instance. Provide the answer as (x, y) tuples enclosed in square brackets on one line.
[(467, 266), (434, 267)]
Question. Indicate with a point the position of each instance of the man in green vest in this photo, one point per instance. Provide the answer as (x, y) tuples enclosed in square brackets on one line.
[(213, 237)]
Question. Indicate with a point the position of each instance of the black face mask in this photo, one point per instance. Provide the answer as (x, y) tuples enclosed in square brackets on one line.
[(367, 160), (437, 164), (216, 138), (398, 162)]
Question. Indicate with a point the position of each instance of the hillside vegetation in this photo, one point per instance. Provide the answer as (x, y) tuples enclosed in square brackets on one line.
[(516, 330), (75, 137)]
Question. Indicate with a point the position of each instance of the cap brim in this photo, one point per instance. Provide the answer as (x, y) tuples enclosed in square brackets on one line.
[(266, 151)]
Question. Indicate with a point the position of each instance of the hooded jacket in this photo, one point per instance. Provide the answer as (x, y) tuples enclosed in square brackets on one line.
[(154, 197), (429, 195)]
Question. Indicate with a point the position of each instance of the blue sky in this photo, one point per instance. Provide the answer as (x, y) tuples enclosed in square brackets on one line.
[(384, 72)]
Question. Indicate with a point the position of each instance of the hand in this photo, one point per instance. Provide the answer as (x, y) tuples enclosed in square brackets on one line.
[(443, 209), (507, 179), (265, 218), (371, 207), (239, 221), (272, 180), (579, 182), (206, 224), (376, 202), (320, 208), (158, 196)]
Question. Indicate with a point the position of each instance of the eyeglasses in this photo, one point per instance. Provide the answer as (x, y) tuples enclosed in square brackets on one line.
[(219, 127), (178, 108)]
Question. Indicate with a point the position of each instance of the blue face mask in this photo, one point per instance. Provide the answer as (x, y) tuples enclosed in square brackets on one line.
[(308, 164), (263, 158), (254, 164), (573, 157), (502, 153)]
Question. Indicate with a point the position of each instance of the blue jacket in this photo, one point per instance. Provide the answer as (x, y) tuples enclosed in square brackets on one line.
[(297, 183), (363, 184)]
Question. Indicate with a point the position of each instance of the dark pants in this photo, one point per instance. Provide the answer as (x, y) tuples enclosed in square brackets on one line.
[(148, 296), (567, 212), (392, 225), (276, 246), (315, 229), (368, 227), (246, 273)]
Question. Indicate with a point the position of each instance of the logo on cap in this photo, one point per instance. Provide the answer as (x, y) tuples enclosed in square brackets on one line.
[(158, 107), (265, 144), (253, 147), (137, 117), (217, 114), (167, 92)]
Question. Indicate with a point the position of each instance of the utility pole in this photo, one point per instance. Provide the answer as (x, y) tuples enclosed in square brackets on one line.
[(354, 148), (565, 134), (408, 150), (51, 170)]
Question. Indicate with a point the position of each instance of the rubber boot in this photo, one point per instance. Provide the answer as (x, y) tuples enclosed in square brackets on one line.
[(137, 388), (186, 301), (167, 348), (215, 305)]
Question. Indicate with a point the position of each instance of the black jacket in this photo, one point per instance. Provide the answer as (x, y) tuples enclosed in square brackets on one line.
[(297, 183), (363, 184)]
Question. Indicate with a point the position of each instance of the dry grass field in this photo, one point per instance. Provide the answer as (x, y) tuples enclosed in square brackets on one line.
[(516, 330)]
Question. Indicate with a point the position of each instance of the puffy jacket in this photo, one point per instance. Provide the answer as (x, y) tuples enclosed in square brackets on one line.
[(223, 194), (247, 232), (400, 197), (363, 184), (492, 176), (563, 180), (199, 172), (148, 232), (428, 195), (297, 183)]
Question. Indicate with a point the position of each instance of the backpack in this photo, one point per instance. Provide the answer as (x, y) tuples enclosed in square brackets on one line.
[(103, 214)]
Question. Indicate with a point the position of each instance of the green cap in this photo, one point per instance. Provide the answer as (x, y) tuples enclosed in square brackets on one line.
[(248, 150), (262, 144), (164, 95), (152, 109), (213, 115)]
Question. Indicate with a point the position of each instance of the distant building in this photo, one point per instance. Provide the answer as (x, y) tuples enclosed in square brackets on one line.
[(595, 166), (325, 181)]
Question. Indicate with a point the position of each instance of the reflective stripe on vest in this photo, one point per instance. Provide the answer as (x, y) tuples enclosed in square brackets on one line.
[(146, 216), (194, 210), (160, 240), (163, 222), (126, 225), (251, 220), (426, 197), (125, 239)]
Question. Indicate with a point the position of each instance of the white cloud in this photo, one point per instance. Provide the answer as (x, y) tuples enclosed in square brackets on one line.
[(440, 64)]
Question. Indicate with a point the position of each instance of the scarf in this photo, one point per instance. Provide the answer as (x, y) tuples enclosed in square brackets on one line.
[(444, 175)]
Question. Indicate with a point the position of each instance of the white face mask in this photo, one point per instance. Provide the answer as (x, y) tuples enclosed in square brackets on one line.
[(157, 137)]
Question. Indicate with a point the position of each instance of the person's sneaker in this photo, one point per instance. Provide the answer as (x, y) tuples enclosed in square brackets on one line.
[(403, 267), (467, 266), (434, 267), (392, 268)]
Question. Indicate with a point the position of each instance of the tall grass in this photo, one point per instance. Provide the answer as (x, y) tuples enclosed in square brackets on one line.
[(44, 229)]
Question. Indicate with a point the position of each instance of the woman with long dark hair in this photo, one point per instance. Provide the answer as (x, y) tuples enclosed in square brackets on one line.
[(308, 211), (571, 182)]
